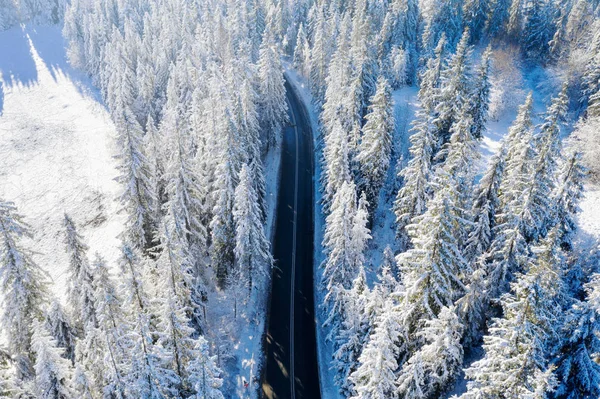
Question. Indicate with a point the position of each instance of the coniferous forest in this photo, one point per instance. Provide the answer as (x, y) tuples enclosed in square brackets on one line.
[(455, 143)]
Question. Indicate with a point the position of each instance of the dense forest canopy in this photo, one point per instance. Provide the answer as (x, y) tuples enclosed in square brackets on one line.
[(486, 274)]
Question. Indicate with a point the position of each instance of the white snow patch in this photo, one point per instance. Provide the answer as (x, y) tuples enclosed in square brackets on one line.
[(56, 146)]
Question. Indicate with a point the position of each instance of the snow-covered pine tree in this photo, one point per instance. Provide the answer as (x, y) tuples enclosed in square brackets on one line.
[(480, 99), (518, 153), (484, 207), (252, 249), (340, 268), (61, 329), (148, 374), (353, 333), (455, 89), (175, 336), (593, 109), (536, 214), (516, 344), (205, 375), (362, 55), (175, 265), (335, 162), (538, 29), (431, 77), (321, 51), (302, 53), (137, 197), (434, 269), (578, 370), (222, 225), (337, 104), (23, 285), (475, 14), (104, 348), (185, 195), (411, 200), (460, 153), (375, 376), (154, 152), (376, 145), (80, 291), (515, 21), (428, 372), (52, 371), (566, 197), (273, 106)]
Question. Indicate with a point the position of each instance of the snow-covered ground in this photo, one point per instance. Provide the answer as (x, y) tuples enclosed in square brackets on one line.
[(56, 146)]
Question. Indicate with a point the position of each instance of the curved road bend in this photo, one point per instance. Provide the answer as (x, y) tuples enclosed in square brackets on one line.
[(291, 369)]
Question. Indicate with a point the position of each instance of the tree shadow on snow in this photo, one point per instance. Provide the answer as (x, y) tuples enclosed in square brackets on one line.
[(16, 62)]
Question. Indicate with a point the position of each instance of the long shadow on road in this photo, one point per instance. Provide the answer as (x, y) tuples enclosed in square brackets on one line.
[(291, 370)]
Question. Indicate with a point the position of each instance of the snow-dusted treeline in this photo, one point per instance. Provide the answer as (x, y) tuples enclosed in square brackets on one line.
[(195, 90), (13, 12), (480, 260)]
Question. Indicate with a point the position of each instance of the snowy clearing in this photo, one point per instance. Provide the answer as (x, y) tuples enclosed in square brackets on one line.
[(56, 146)]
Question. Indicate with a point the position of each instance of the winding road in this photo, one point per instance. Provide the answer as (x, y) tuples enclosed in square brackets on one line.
[(291, 369)]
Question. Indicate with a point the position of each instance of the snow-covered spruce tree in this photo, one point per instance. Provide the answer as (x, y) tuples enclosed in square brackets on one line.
[(104, 348), (455, 89), (433, 270), (23, 285), (412, 197), (538, 29), (461, 154), (205, 375), (432, 368), (336, 105), (154, 152), (321, 51), (52, 371), (175, 336), (443, 17), (518, 153), (174, 265), (339, 267), (536, 214), (484, 207), (80, 292), (185, 195), (578, 370), (302, 53), (475, 14), (431, 77), (335, 162), (480, 99), (252, 249), (515, 22), (353, 333), (566, 197), (61, 329), (515, 364), (273, 106), (375, 376), (593, 109), (376, 145), (362, 55), (222, 226), (148, 373), (137, 197)]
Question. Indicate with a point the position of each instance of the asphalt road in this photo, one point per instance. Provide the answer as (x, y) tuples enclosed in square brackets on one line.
[(291, 370)]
